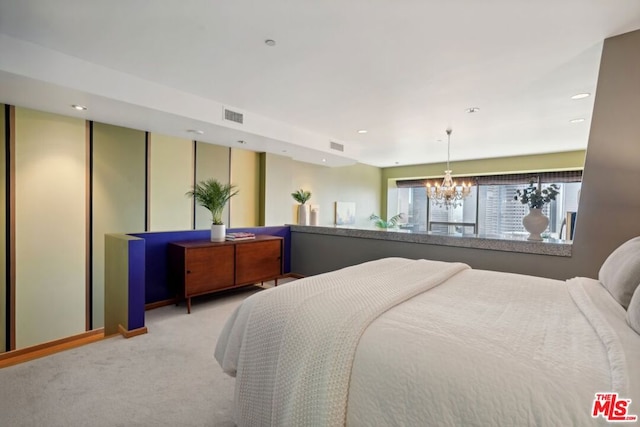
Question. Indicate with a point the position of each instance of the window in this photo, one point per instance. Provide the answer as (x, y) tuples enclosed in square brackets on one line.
[(490, 209)]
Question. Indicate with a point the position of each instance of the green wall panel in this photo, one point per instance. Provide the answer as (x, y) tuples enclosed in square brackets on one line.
[(119, 187), (170, 177), (212, 161), (50, 226)]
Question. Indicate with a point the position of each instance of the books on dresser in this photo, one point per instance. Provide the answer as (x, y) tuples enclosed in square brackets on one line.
[(240, 236)]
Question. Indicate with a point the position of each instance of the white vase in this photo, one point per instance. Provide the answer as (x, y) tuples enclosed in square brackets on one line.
[(218, 232), (535, 223), (303, 215), (314, 218)]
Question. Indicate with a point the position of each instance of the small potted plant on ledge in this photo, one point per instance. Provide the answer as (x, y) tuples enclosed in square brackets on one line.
[(301, 196), (214, 195), (389, 223), (536, 197)]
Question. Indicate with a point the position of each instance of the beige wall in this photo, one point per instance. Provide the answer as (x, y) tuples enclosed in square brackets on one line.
[(277, 180), (118, 195), (170, 177), (50, 239), (358, 183), (245, 174), (212, 161)]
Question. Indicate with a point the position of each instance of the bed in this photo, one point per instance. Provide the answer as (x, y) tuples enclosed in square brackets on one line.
[(416, 342)]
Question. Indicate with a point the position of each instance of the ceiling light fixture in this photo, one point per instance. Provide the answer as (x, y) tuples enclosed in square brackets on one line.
[(196, 131), (241, 141), (362, 131), (578, 120), (324, 160), (449, 194), (580, 95), (78, 107), (471, 110), (270, 42)]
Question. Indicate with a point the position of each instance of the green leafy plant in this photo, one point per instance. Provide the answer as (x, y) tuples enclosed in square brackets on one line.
[(213, 195), (301, 196), (389, 223), (536, 196)]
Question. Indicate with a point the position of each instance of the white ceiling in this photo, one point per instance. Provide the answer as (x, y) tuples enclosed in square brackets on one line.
[(404, 70)]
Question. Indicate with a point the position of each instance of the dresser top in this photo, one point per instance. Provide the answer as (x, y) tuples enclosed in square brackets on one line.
[(205, 243)]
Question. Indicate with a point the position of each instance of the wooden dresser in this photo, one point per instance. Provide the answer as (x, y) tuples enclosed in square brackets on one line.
[(199, 267)]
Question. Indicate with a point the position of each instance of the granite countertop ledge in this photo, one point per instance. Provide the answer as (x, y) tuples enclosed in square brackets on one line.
[(507, 243)]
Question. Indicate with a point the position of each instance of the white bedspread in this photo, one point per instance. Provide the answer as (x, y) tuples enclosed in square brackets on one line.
[(291, 348), (483, 348)]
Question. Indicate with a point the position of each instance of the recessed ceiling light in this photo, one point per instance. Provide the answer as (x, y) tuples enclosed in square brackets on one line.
[(270, 42), (196, 131), (79, 107), (324, 160), (472, 110), (362, 131), (580, 95), (578, 120)]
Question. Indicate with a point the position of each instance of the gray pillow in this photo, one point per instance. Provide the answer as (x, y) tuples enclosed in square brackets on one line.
[(633, 312), (620, 273)]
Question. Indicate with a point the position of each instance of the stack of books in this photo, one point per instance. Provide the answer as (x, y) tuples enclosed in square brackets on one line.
[(240, 236)]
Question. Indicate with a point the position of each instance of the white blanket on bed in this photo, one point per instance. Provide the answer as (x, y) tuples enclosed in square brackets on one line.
[(495, 349), (292, 348), (482, 348)]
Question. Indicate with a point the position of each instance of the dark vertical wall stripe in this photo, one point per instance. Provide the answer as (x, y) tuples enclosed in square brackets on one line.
[(229, 181), (89, 296), (7, 138), (147, 181), (195, 171), (10, 134)]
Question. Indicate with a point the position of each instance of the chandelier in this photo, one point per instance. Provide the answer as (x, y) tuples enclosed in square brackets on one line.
[(449, 194)]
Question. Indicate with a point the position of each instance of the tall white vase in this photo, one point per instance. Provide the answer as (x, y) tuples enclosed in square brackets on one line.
[(218, 232), (303, 215), (535, 223)]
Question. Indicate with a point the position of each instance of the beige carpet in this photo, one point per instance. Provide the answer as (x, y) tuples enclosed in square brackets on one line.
[(167, 377)]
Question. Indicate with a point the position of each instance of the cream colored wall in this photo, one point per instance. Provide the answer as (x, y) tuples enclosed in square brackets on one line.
[(358, 183), (50, 236), (278, 185), (170, 177), (118, 195), (212, 161), (245, 174)]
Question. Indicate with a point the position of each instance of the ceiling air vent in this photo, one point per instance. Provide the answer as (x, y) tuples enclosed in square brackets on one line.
[(233, 116), (336, 146)]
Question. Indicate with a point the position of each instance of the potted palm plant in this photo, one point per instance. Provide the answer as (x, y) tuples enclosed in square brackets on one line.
[(301, 196), (214, 195)]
